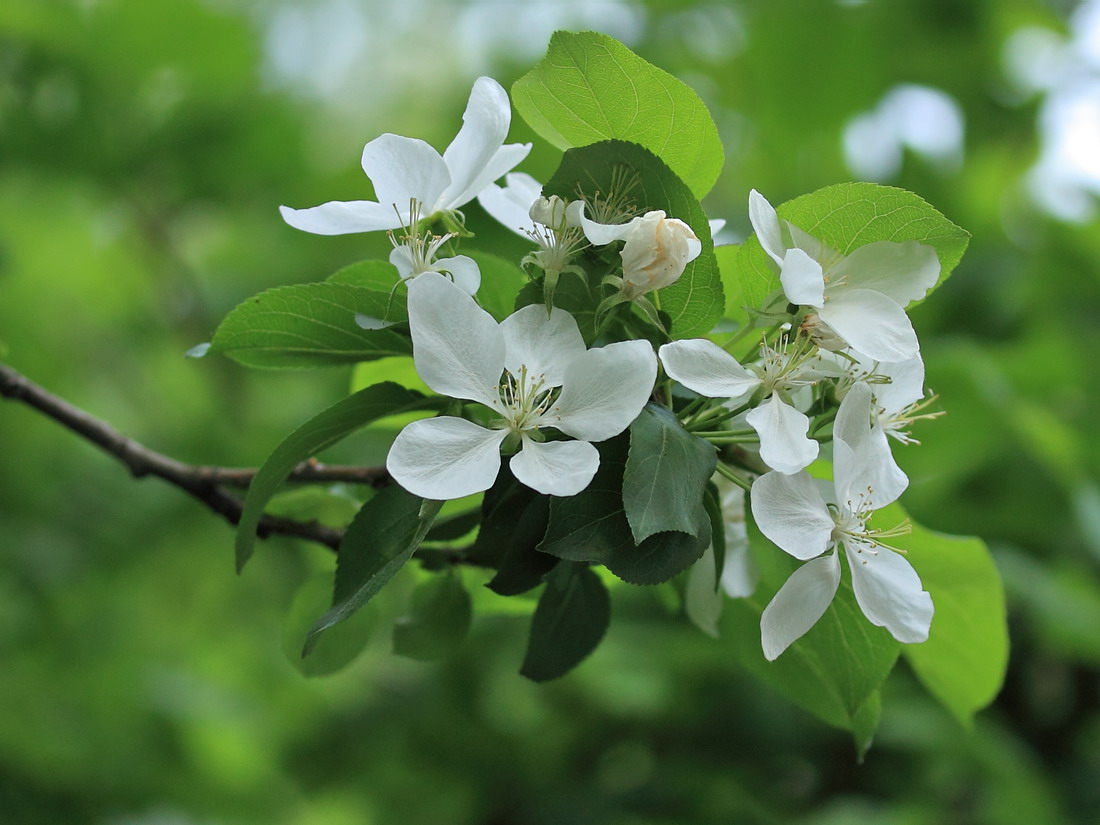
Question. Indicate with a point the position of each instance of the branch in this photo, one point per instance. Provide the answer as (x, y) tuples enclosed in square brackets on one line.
[(203, 483)]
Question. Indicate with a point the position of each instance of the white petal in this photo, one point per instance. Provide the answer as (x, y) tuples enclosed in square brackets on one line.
[(782, 429), (556, 468), (903, 272), (458, 348), (445, 458), (544, 344), (601, 234), (800, 602), (402, 168), (603, 391), (906, 384), (342, 217), (702, 599), (472, 157), (802, 278), (510, 205), (871, 323), (890, 592), (765, 222), (863, 466), (739, 572), (790, 511), (706, 368), (463, 271), (402, 258)]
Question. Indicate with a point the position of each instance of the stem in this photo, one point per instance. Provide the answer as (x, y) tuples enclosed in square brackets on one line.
[(204, 483), (726, 472)]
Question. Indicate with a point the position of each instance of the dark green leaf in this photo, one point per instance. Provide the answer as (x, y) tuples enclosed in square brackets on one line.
[(592, 526), (667, 472), (438, 621), (382, 538), (311, 325), (694, 303), (321, 431), (590, 87), (513, 521), (571, 618)]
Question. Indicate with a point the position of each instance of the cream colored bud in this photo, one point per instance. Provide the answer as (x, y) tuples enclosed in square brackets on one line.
[(656, 253), (548, 211)]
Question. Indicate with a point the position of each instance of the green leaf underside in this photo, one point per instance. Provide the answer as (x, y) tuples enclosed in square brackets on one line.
[(382, 538), (438, 620), (336, 649), (569, 622), (320, 432), (590, 87), (667, 471), (963, 662), (311, 325), (694, 303), (592, 526), (850, 215), (501, 281)]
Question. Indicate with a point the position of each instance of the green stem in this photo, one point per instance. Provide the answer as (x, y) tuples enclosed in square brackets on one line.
[(726, 472)]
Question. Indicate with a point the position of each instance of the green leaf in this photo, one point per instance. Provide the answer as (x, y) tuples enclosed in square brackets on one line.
[(338, 648), (865, 724), (438, 620), (964, 660), (571, 618), (592, 526), (667, 472), (834, 669), (694, 303), (321, 431), (590, 87), (334, 507), (380, 276), (382, 538), (850, 215), (513, 520), (311, 325), (501, 281)]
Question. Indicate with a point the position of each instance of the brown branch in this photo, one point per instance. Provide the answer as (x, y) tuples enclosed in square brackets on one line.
[(204, 483)]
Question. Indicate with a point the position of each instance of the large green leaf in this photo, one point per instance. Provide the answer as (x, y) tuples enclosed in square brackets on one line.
[(311, 325), (571, 618), (964, 660), (833, 670), (382, 538), (590, 87), (438, 619), (592, 526), (694, 303), (321, 431), (667, 471), (850, 215)]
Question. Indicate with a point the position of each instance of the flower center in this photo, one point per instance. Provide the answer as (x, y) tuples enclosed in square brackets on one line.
[(851, 528), (525, 398)]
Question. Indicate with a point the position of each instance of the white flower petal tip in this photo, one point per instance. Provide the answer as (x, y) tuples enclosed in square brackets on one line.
[(704, 367), (890, 593), (406, 170), (556, 468), (784, 445), (800, 602), (445, 458)]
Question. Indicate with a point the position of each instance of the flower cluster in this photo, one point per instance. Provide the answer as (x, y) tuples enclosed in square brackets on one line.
[(828, 369)]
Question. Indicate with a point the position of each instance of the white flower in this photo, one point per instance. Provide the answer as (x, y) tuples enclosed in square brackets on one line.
[(534, 371), (511, 204), (415, 254), (655, 253), (709, 370), (408, 171), (859, 297), (792, 512)]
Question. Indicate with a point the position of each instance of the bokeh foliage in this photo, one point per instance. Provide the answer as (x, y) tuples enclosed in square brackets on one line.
[(146, 146)]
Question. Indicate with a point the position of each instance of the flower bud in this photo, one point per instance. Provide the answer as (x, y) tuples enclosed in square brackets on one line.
[(548, 211), (656, 252)]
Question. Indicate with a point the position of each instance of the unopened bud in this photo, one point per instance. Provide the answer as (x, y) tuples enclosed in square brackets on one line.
[(548, 211), (656, 253)]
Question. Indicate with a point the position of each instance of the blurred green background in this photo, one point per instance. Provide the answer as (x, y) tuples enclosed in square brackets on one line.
[(144, 148)]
